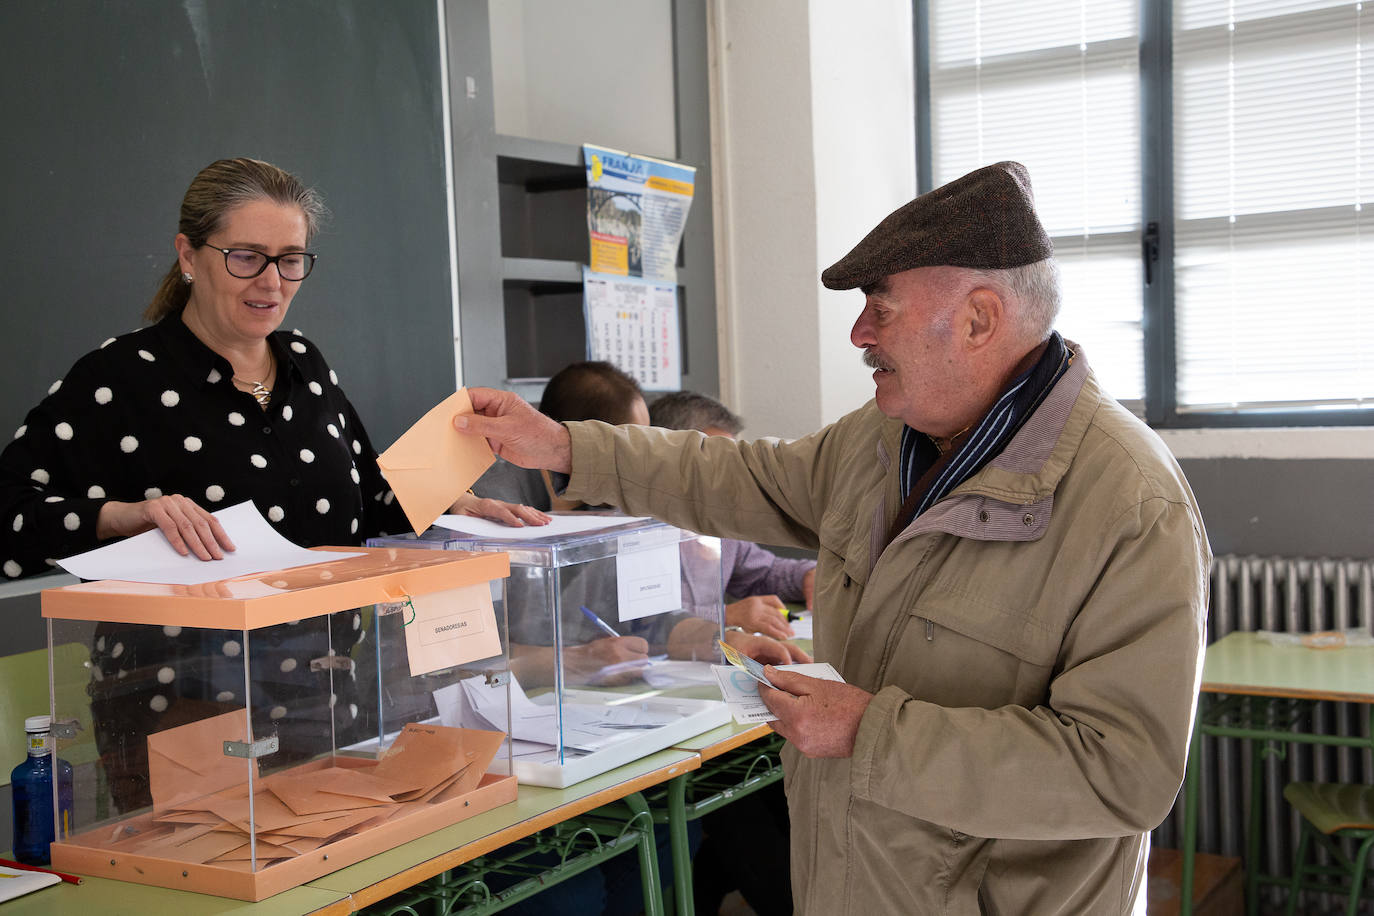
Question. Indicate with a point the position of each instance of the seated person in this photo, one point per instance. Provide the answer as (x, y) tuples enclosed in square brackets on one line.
[(758, 577)]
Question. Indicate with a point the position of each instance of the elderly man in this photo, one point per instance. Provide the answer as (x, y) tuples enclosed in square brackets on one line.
[(1012, 581)]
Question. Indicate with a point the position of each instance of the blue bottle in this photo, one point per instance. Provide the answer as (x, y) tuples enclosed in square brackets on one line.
[(31, 785)]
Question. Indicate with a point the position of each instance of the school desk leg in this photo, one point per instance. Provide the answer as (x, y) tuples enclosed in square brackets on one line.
[(1191, 779)]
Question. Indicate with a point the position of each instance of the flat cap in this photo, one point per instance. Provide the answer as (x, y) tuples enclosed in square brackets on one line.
[(985, 219)]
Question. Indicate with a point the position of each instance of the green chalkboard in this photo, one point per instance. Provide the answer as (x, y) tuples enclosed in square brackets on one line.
[(110, 108)]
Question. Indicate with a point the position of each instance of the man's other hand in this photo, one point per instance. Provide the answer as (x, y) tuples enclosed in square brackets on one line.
[(820, 717)]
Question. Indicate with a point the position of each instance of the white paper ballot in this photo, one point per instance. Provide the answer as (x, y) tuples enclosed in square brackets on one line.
[(741, 692), (148, 557), (579, 523)]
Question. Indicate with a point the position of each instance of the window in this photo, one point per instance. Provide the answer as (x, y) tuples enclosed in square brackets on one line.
[(1232, 137)]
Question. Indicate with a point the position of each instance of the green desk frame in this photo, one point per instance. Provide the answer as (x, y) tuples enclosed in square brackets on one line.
[(1259, 692)]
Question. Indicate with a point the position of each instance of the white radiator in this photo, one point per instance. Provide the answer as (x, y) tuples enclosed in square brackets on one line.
[(1287, 595)]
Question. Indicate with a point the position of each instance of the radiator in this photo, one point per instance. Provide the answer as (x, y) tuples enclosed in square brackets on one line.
[(1287, 595)]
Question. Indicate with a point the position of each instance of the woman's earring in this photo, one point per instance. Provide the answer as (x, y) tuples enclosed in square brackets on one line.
[(187, 279)]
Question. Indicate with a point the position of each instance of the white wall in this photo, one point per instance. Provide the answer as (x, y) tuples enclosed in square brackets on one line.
[(814, 124), (568, 70)]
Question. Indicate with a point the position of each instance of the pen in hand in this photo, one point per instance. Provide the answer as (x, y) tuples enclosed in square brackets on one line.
[(599, 623)]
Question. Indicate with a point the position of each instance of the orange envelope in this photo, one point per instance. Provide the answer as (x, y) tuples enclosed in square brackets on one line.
[(188, 761), (432, 464)]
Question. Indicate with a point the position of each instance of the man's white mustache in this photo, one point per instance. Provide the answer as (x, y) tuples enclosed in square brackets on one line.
[(873, 361)]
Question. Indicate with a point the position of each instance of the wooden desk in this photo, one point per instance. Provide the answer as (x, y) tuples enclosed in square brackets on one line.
[(349, 889), (1243, 665)]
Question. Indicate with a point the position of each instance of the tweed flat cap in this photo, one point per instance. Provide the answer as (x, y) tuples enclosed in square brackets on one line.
[(985, 219)]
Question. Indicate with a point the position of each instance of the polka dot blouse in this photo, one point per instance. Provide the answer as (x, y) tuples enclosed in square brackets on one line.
[(155, 412)]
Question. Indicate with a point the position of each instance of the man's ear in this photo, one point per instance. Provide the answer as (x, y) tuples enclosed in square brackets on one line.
[(985, 314)]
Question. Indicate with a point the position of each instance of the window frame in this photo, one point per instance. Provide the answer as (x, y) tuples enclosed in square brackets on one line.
[(1160, 408)]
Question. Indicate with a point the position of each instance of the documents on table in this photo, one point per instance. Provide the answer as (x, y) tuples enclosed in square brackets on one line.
[(432, 464), (587, 726), (16, 882), (740, 688), (148, 557)]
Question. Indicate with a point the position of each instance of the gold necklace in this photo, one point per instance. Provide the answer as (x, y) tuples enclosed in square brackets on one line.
[(948, 443), (260, 392)]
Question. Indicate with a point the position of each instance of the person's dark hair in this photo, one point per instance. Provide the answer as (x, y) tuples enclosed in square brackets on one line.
[(592, 390), (690, 410), (218, 188)]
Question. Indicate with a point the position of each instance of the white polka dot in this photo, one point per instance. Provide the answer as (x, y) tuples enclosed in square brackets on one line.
[(213, 377), (224, 696), (18, 433), (122, 673), (97, 674), (275, 514), (192, 444), (166, 674), (288, 665), (157, 703), (258, 461), (50, 561), (18, 522), (357, 447), (108, 341), (53, 499), (128, 444), (152, 493), (353, 528), (39, 475), (71, 521), (287, 412), (307, 456), (388, 498), (333, 430), (298, 346), (103, 395), (231, 648), (333, 376), (297, 332), (315, 388), (357, 621), (100, 644), (148, 356), (277, 712), (322, 506), (95, 492), (333, 698), (172, 631), (214, 493), (170, 398), (343, 424), (63, 431), (353, 472), (117, 650), (52, 389), (235, 418), (12, 569), (353, 710)]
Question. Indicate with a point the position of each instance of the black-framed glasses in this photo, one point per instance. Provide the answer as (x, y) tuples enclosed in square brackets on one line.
[(245, 263)]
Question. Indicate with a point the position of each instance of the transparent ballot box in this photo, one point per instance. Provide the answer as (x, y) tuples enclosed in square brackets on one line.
[(613, 632), (245, 736)]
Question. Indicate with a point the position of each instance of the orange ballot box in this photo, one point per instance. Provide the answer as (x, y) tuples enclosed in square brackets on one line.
[(245, 736)]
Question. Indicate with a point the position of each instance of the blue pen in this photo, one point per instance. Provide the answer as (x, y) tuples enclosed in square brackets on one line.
[(603, 625)]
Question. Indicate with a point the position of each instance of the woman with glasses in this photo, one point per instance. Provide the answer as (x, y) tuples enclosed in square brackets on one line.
[(210, 405)]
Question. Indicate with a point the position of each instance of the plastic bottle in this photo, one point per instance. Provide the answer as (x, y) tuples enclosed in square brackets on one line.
[(31, 785)]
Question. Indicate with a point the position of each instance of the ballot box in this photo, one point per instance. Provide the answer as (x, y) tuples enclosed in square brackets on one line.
[(245, 736), (614, 626)]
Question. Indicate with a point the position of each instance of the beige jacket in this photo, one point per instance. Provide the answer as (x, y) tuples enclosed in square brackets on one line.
[(1033, 641)]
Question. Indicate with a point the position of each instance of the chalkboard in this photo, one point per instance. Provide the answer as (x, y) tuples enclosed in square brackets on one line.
[(110, 108)]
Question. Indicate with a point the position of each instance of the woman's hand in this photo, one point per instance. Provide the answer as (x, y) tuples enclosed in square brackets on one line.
[(496, 510), (186, 526), (766, 650), (759, 614), (585, 664)]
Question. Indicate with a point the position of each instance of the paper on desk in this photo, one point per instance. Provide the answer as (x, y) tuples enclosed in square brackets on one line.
[(576, 523), (148, 557), (741, 691), (451, 628), (432, 464), (801, 627)]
